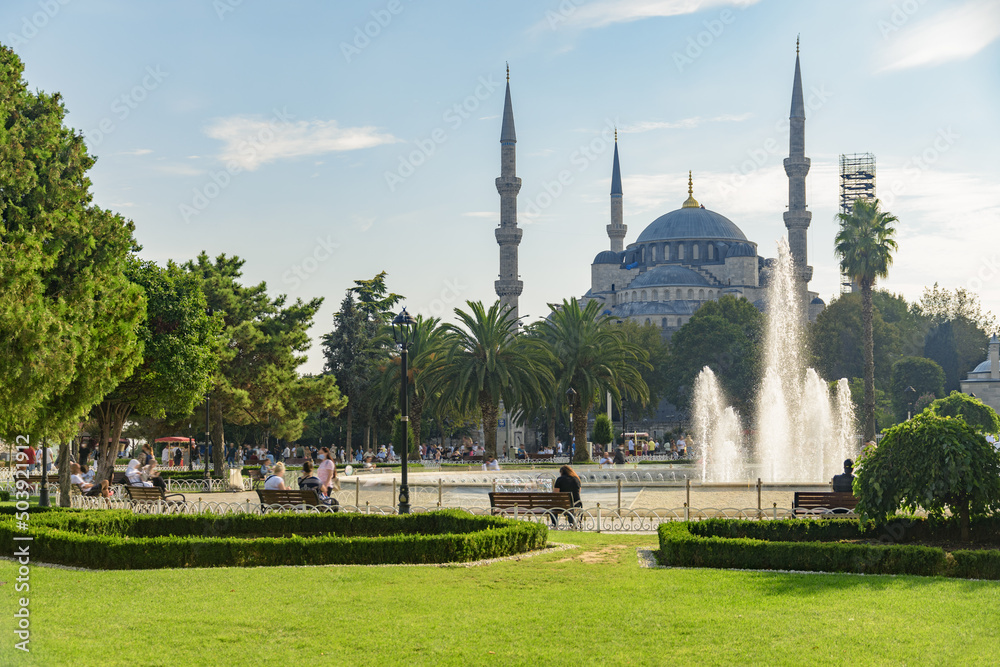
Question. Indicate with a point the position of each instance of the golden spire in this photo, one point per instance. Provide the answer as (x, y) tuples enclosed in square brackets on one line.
[(616, 134), (508, 65), (691, 201), (797, 43)]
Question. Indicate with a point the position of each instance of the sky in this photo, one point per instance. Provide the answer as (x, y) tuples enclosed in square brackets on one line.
[(324, 142)]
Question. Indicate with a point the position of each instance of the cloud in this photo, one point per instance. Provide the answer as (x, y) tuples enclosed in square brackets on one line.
[(683, 124), (952, 34), (137, 151), (250, 142), (608, 12), (481, 214)]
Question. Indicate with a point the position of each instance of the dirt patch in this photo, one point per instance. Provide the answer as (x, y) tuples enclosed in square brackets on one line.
[(608, 554)]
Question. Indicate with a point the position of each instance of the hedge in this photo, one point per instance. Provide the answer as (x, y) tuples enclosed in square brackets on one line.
[(123, 540), (810, 545)]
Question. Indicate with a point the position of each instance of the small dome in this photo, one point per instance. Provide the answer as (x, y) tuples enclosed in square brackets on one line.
[(669, 275), (741, 250), (608, 257), (983, 367), (817, 302)]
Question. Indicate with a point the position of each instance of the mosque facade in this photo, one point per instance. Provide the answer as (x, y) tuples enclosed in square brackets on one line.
[(983, 381), (692, 254)]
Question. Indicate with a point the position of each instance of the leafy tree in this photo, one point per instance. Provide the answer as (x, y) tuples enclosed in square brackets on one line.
[(957, 345), (649, 337), (595, 358), (933, 463), (68, 312), (942, 305), (970, 409), (485, 362), (264, 341), (179, 342), (726, 335), (924, 375), (603, 430), (865, 245)]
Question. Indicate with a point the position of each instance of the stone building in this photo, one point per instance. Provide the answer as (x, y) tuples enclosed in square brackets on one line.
[(692, 254), (984, 380)]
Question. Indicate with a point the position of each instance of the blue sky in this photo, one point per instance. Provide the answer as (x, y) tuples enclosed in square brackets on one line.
[(324, 142)]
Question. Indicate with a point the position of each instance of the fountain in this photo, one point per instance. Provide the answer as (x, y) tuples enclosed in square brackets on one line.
[(803, 434)]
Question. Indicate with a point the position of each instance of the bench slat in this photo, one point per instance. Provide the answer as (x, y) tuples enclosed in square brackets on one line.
[(824, 499), (531, 500)]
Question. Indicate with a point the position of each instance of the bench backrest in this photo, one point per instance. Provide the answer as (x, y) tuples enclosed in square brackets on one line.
[(531, 499), (825, 499), (144, 493), (288, 497)]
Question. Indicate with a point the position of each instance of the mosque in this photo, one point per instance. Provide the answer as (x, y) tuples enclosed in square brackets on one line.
[(682, 258)]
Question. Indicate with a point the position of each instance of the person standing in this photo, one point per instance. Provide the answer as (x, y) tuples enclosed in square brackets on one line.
[(567, 482), (327, 472)]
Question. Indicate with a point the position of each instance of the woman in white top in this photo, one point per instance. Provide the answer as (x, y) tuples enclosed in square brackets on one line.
[(134, 475), (276, 482), (327, 471)]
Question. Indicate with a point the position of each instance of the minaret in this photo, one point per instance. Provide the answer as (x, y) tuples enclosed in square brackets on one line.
[(508, 235), (617, 229), (797, 218)]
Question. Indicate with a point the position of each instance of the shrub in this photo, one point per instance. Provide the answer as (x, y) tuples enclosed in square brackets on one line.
[(976, 414), (602, 430), (929, 462), (124, 540)]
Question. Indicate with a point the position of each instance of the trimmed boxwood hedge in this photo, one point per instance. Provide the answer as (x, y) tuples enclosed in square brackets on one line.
[(814, 545), (124, 540)]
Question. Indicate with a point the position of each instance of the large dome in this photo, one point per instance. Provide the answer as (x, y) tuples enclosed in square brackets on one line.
[(691, 223)]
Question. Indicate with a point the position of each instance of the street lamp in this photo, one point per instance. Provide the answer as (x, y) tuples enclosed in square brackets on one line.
[(43, 491), (571, 397), (402, 331), (911, 397)]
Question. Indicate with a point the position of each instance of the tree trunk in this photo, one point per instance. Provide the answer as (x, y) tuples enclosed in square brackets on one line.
[(868, 413), (416, 412), (490, 412), (964, 518), (350, 423), (580, 412), (550, 431), (64, 451), (218, 437)]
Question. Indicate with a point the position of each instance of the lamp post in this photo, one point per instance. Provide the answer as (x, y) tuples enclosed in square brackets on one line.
[(571, 396), (208, 431), (402, 331), (911, 398), (43, 491), (190, 447)]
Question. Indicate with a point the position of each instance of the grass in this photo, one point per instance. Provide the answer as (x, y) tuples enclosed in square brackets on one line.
[(589, 606)]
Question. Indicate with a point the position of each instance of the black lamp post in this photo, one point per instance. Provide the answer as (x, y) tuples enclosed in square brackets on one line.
[(208, 431), (402, 331), (43, 491), (911, 398), (571, 396)]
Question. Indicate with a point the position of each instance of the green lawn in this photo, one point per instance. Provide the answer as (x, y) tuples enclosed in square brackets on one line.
[(588, 606)]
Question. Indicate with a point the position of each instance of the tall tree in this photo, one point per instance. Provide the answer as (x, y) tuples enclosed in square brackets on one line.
[(595, 358), (865, 245), (265, 341), (68, 313), (725, 335), (179, 343), (923, 375), (486, 362), (649, 337), (959, 332)]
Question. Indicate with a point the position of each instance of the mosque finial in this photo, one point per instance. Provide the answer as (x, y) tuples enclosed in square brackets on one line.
[(508, 64), (797, 43), (691, 201), (616, 134)]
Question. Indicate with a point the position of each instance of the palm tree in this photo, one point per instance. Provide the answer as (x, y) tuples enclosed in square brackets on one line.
[(484, 361), (865, 246), (594, 358), (424, 352)]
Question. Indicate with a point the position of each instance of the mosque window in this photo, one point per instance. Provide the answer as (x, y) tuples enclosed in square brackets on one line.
[(710, 254), (655, 295), (694, 251), (663, 323), (680, 251), (679, 296), (690, 294), (652, 253), (701, 294), (711, 294), (647, 322), (642, 295)]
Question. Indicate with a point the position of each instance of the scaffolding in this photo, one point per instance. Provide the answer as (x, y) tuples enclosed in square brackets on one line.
[(857, 181)]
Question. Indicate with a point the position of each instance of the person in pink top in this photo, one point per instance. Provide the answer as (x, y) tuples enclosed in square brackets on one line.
[(327, 471)]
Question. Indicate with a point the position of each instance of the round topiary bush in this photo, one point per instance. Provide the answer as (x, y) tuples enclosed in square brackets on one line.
[(933, 463)]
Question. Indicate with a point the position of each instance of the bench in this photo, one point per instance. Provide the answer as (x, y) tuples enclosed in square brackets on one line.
[(255, 478), (529, 502), (540, 457), (152, 494), (840, 502), (290, 498)]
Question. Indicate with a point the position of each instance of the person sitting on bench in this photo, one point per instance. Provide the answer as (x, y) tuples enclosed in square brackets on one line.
[(87, 488), (276, 481), (311, 481), (844, 483), (133, 474)]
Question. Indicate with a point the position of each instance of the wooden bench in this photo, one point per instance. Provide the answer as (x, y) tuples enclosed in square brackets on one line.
[(840, 502), (255, 478), (289, 497), (529, 502), (152, 494)]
